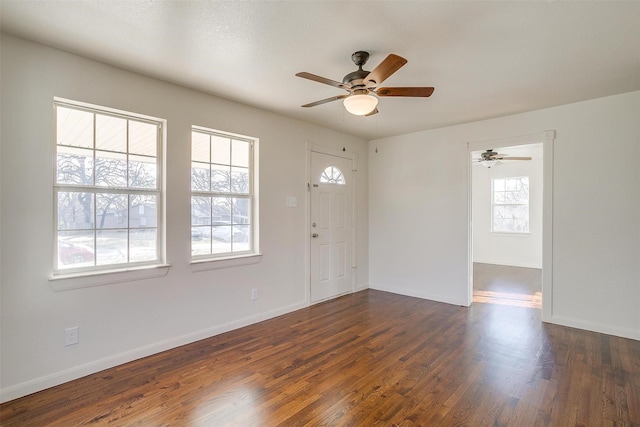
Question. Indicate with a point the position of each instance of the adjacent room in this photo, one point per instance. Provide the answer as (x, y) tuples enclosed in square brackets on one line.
[(319, 213), (506, 218)]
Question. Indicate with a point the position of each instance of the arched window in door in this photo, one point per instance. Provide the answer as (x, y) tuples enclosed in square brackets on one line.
[(332, 175)]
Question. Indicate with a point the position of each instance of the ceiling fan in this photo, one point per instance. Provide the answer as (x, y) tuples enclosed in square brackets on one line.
[(362, 85), (490, 158)]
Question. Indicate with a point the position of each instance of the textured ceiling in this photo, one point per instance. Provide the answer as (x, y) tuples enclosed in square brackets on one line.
[(485, 59)]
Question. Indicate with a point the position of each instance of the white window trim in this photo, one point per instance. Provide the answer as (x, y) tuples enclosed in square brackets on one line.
[(68, 279)]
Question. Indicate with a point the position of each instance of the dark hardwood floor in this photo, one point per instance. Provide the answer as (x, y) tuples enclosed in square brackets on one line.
[(367, 359)]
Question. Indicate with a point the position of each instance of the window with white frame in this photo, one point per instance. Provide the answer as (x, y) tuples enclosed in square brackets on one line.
[(332, 175), (222, 194), (107, 189), (510, 205)]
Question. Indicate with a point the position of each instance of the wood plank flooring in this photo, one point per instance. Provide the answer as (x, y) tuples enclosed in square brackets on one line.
[(368, 359), (503, 284)]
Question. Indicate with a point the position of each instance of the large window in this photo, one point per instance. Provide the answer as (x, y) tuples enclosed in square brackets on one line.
[(510, 205), (107, 189), (222, 194)]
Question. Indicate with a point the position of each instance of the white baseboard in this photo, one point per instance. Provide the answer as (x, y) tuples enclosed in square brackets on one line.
[(57, 378), (416, 294), (595, 327), (510, 264), (361, 287)]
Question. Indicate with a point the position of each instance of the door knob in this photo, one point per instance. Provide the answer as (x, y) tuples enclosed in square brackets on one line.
[(314, 235)]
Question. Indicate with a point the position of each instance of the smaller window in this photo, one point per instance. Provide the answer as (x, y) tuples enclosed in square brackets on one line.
[(332, 175), (510, 205), (222, 195)]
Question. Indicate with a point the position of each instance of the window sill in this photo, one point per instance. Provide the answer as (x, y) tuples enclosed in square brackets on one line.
[(511, 233), (65, 282), (227, 262)]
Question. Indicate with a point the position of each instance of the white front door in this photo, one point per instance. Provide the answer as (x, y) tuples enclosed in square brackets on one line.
[(331, 226)]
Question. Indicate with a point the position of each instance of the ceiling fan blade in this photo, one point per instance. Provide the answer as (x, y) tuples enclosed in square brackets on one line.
[(324, 80), (375, 111), (386, 68), (512, 158), (324, 101), (405, 91)]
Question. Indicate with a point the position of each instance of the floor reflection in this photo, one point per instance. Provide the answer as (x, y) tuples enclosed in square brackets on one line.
[(506, 285), (509, 298)]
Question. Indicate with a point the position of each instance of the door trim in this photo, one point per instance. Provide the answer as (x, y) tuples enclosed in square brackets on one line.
[(311, 147), (547, 139)]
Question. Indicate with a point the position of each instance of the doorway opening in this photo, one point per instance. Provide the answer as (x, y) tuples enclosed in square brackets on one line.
[(510, 222)]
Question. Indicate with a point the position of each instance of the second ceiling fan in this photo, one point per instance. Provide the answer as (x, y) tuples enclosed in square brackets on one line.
[(489, 158), (362, 85)]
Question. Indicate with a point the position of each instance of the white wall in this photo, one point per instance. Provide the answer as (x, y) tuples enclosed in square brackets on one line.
[(123, 321), (514, 249), (419, 211)]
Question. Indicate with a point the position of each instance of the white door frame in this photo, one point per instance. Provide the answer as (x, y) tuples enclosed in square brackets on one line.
[(546, 138), (307, 240)]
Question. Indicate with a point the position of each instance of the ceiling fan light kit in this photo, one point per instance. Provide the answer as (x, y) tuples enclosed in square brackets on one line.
[(489, 163), (360, 105), (362, 85)]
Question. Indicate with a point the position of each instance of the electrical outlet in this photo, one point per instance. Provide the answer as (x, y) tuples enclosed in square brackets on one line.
[(71, 336), (254, 294)]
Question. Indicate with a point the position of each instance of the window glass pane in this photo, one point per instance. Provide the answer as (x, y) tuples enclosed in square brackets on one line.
[(200, 147), (74, 127), (241, 211), (221, 211), (241, 238), (200, 210), (111, 247), (220, 150), (240, 153), (332, 175), (222, 233), (75, 249), (142, 172), (239, 180), (111, 133), (142, 211), (511, 184), (219, 241), (111, 169), (498, 185), (112, 210), (74, 166), (201, 240), (143, 244), (75, 210), (143, 138), (511, 218), (220, 177), (200, 177)]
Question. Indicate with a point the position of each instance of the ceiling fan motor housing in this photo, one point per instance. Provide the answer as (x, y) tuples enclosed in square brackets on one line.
[(488, 154), (360, 58), (356, 78)]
